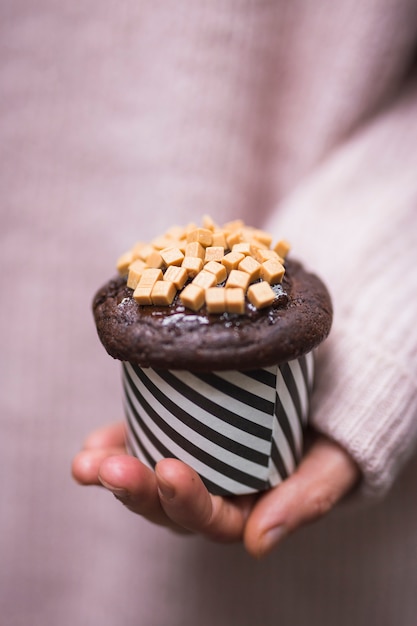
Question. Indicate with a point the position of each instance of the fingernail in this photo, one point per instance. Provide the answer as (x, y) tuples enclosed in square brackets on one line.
[(119, 493), (166, 491), (271, 538)]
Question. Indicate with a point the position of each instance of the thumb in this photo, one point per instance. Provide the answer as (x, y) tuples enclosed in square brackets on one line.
[(323, 477)]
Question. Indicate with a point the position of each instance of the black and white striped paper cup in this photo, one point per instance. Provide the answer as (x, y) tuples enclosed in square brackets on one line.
[(241, 431)]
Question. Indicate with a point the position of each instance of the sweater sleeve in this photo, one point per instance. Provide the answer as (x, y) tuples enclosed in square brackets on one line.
[(354, 221)]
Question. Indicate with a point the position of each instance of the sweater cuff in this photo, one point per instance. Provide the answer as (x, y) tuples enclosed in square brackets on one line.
[(365, 399)]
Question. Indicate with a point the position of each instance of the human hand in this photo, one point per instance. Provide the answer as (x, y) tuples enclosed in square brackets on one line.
[(175, 496)]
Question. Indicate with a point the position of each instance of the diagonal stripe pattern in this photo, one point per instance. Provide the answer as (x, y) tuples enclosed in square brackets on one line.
[(241, 431)]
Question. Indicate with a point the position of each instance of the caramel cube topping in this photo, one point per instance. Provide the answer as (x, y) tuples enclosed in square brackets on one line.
[(261, 295), (233, 238), (188, 229), (195, 249), (262, 236), (159, 243), (123, 262), (219, 239), (282, 248), (251, 267), (235, 300), (243, 248), (155, 260), (218, 269), (238, 256), (232, 260), (264, 254), (237, 278), (193, 265), (144, 252), (176, 275), (216, 300), (172, 256), (255, 246), (214, 253), (175, 232), (142, 295), (208, 223), (150, 276), (202, 235), (272, 271), (204, 279), (192, 297), (163, 292), (234, 225), (135, 272)]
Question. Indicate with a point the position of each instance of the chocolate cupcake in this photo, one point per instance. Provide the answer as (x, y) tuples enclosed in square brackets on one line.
[(216, 329)]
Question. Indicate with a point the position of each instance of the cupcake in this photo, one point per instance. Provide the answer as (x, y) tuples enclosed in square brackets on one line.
[(216, 328)]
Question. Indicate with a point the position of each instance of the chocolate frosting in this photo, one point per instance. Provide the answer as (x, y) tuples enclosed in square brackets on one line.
[(173, 337)]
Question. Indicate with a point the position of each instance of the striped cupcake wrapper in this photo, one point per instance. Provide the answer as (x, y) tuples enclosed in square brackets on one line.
[(241, 431)]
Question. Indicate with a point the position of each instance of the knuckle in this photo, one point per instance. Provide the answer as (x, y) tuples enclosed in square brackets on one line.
[(321, 502)]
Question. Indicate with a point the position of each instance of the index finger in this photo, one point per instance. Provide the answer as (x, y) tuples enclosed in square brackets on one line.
[(110, 436)]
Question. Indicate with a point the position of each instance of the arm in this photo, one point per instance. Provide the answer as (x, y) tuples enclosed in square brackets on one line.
[(355, 221)]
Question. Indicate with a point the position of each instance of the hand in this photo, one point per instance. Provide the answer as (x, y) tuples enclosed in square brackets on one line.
[(175, 496)]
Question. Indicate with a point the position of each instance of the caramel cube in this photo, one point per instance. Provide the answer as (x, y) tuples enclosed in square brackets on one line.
[(234, 225), (242, 247), (235, 300), (251, 267), (217, 269), (150, 276), (201, 235), (204, 279), (193, 265), (155, 260), (175, 232), (192, 297), (135, 272), (214, 253), (176, 275), (237, 278), (172, 256), (142, 294), (232, 260), (163, 292), (255, 246), (144, 251), (195, 249), (282, 248), (219, 239), (233, 238), (247, 233), (264, 254), (216, 300), (261, 295), (139, 245), (208, 222), (188, 229), (123, 262), (262, 236), (159, 243), (272, 271)]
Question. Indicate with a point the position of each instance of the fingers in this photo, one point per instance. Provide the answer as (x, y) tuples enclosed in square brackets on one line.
[(86, 464), (99, 445), (324, 476), (110, 436), (135, 485), (187, 502)]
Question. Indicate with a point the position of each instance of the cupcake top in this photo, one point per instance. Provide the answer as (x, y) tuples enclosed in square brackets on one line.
[(211, 298)]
